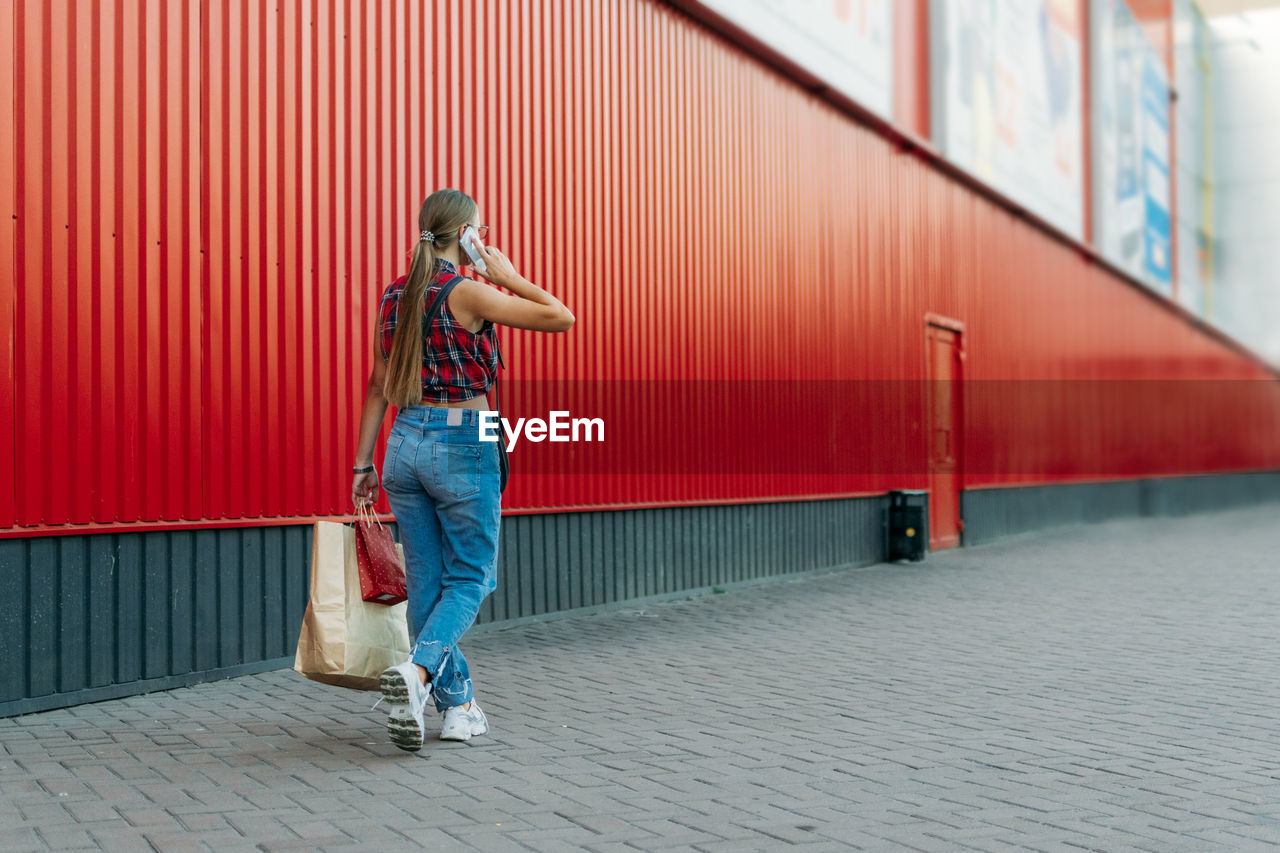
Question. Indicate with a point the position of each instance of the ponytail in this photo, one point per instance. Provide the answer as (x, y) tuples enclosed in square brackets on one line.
[(442, 214), (403, 384)]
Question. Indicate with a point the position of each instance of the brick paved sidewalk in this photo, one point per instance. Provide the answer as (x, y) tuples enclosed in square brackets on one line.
[(1112, 687)]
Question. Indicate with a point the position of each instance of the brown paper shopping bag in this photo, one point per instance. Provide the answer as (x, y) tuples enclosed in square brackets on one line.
[(345, 640)]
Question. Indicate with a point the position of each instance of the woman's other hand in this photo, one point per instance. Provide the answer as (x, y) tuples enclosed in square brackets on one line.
[(364, 489)]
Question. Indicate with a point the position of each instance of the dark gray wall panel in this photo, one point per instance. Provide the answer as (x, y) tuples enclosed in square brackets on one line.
[(273, 618), (15, 651), (105, 615), (990, 514), (73, 667), (42, 612), (548, 563), (206, 601), (252, 597), (182, 591), (229, 603), (156, 598), (1184, 495), (127, 605), (101, 571)]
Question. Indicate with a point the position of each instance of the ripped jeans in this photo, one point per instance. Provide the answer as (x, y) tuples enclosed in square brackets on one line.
[(443, 486)]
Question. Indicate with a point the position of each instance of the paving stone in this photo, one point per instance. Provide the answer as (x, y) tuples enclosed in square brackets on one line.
[(21, 839), (117, 837), (317, 843), (66, 838), (170, 842)]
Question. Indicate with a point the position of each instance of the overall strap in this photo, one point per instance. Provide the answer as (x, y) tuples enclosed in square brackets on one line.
[(434, 307)]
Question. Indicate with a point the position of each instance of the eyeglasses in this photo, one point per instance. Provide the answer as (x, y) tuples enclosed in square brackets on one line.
[(482, 231)]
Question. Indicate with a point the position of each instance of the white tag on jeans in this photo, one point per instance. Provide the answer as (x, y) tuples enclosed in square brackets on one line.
[(455, 417)]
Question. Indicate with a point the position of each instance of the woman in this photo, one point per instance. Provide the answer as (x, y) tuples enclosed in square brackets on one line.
[(442, 482)]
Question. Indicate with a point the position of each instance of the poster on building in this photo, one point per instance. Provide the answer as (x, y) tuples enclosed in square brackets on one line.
[(1132, 224), (1192, 172), (846, 43), (1008, 101), (1155, 173)]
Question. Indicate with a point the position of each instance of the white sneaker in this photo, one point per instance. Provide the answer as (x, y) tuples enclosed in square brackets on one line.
[(461, 724), (407, 698)]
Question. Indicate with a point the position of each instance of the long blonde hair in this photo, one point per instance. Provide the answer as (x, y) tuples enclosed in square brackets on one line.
[(442, 214)]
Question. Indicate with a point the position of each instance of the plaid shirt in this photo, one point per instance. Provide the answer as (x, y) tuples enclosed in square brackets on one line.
[(457, 364)]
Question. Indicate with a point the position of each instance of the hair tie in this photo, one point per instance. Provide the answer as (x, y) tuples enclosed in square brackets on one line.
[(429, 237)]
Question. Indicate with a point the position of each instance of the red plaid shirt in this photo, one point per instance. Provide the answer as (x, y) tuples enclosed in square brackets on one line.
[(457, 364)]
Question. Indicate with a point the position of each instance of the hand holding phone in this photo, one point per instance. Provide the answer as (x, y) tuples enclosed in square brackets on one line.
[(471, 245), (499, 270)]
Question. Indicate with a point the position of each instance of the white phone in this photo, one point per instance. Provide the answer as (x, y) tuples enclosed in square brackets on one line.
[(471, 244)]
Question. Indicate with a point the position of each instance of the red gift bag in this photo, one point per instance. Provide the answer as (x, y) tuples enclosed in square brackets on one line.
[(381, 572)]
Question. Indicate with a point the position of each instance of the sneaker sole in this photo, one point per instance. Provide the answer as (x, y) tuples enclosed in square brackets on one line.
[(402, 728)]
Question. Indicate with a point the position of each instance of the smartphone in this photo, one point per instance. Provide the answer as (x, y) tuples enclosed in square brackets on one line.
[(471, 245)]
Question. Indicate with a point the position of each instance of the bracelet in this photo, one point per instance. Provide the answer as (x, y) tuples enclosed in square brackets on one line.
[(368, 470)]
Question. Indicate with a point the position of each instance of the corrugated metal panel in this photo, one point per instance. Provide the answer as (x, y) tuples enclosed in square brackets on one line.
[(8, 267), (209, 197), (107, 322), (102, 612)]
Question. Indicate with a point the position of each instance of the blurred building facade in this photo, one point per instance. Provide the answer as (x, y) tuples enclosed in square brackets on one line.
[(1244, 127)]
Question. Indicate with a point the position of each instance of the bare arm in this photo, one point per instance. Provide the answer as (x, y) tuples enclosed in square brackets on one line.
[(530, 307), (364, 487)]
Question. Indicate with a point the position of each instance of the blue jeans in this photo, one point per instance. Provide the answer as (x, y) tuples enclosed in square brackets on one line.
[(443, 486)]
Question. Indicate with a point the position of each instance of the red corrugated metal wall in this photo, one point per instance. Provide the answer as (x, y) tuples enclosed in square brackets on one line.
[(207, 198), (8, 272)]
